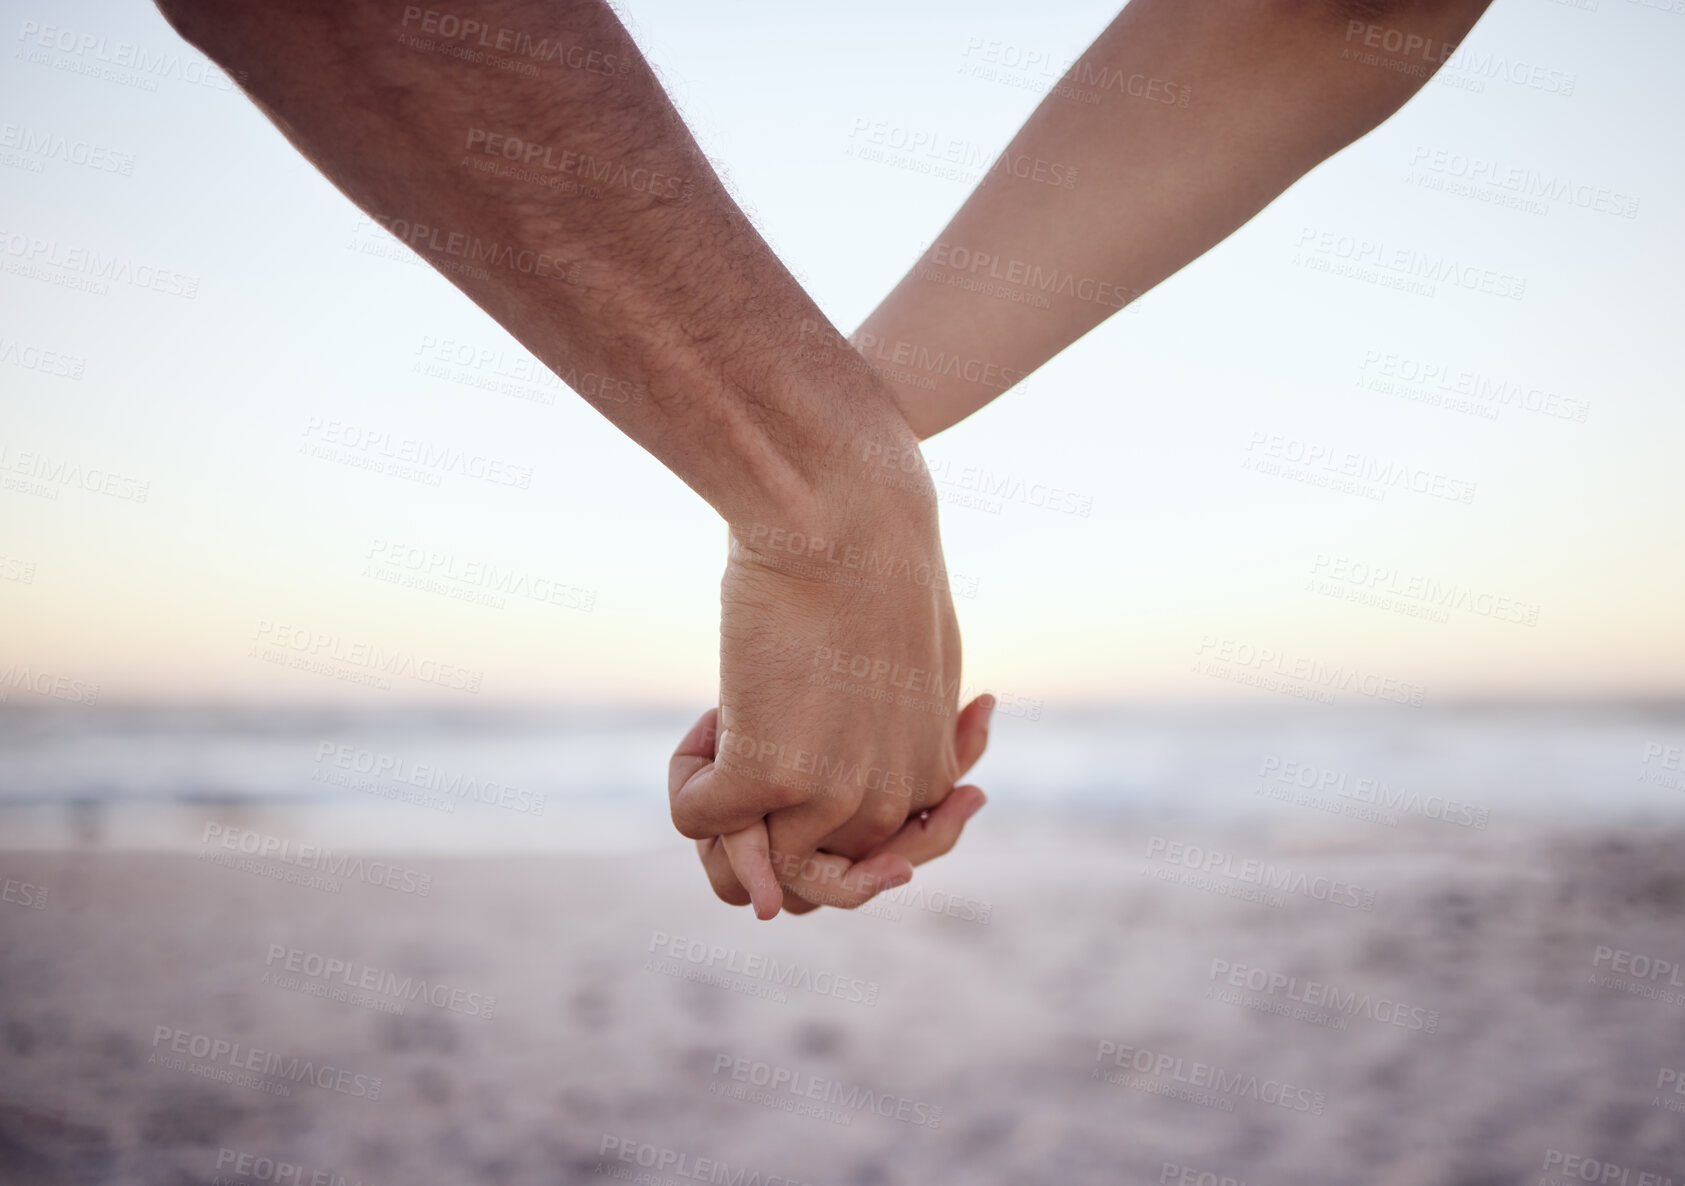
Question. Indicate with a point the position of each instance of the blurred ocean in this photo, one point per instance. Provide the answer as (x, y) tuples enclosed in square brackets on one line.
[(594, 780)]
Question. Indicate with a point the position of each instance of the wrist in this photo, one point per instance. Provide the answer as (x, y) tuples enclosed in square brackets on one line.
[(862, 503)]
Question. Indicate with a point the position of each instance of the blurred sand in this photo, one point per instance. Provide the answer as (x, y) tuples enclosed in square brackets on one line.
[(996, 1021)]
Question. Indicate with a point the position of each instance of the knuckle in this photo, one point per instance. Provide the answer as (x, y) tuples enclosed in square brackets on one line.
[(689, 824), (880, 814), (835, 809)]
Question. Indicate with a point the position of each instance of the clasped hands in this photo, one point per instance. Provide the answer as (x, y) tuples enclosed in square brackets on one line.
[(832, 764)]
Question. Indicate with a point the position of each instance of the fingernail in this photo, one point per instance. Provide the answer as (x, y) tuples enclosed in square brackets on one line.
[(897, 882), (975, 807), (988, 703)]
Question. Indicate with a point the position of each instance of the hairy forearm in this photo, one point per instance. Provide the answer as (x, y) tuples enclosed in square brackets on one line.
[(1206, 112), (525, 149)]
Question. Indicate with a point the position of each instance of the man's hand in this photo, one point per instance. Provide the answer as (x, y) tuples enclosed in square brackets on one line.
[(839, 716)]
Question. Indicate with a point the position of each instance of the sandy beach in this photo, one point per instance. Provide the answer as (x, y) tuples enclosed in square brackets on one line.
[(1053, 1004)]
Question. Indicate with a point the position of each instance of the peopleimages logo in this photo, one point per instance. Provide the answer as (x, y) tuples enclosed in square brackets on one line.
[(1523, 181), (46, 145), (1669, 757), (1574, 1168), (1410, 263), (46, 683), (817, 555), (54, 473), (451, 28), (1638, 965), (23, 893), (1206, 1077), (268, 1169), (1321, 458), (716, 957), (314, 858), (1265, 874), (395, 769), (1370, 792), (371, 446), (440, 245), (1373, 582), (1481, 389), (580, 166), (237, 1056), (88, 268), (1309, 671), (1072, 74), (806, 1086), (899, 353), (1317, 995), (43, 361), (1417, 56), (472, 579), (127, 55), (319, 651), (782, 764), (680, 1165), (336, 972), (1032, 275)]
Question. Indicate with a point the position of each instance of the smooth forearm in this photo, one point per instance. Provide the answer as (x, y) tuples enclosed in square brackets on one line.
[(1205, 113), (566, 198)]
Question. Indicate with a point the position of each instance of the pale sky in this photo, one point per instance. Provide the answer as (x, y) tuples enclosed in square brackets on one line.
[(303, 315)]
